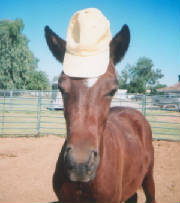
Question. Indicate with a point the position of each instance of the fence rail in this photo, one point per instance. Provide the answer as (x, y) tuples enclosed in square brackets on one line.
[(32, 113)]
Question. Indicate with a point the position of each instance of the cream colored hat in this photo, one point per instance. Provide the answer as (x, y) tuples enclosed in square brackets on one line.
[(87, 44)]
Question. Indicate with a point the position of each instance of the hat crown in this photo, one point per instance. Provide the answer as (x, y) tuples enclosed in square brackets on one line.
[(88, 33)]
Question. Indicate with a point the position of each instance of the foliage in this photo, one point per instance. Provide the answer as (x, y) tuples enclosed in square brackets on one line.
[(18, 65), (140, 77), (158, 86), (38, 80)]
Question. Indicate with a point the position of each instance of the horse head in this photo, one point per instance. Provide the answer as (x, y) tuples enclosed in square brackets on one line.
[(86, 106)]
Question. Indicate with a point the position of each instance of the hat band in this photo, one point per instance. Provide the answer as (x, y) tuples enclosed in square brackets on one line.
[(85, 53)]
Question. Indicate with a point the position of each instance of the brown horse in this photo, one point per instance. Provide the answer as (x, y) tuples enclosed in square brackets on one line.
[(108, 152)]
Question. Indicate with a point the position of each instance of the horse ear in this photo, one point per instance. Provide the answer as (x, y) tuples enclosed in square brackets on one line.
[(119, 44), (56, 44)]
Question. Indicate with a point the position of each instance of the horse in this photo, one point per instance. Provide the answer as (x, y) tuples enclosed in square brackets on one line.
[(108, 153)]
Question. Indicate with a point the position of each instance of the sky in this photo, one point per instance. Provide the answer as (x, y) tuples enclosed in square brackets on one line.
[(154, 27)]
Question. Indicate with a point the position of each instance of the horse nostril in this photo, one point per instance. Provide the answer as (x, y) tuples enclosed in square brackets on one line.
[(66, 152), (92, 159), (68, 149), (95, 153), (68, 158)]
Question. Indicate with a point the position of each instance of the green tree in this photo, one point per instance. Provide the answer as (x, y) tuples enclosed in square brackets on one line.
[(17, 63), (37, 81), (123, 79), (140, 77)]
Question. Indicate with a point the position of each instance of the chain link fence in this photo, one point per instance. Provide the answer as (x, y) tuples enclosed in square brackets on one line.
[(36, 113)]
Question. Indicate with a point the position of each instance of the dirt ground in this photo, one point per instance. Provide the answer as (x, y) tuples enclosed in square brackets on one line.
[(27, 165)]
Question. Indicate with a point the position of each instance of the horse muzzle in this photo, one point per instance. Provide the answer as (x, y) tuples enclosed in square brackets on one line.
[(81, 166)]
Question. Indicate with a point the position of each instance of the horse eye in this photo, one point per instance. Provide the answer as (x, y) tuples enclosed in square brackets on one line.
[(63, 92), (111, 93)]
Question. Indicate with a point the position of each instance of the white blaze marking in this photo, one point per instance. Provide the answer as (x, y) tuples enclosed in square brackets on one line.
[(90, 82)]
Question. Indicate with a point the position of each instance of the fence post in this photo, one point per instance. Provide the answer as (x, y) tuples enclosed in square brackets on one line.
[(39, 113), (144, 105), (11, 100), (3, 114)]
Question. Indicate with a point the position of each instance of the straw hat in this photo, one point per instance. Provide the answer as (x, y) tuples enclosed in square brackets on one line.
[(87, 44)]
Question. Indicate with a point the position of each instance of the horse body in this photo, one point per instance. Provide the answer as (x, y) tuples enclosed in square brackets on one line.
[(126, 159), (131, 145)]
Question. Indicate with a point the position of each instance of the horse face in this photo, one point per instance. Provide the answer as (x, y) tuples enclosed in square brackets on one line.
[(86, 107)]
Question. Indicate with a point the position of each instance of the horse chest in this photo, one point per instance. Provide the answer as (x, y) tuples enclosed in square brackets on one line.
[(75, 192), (79, 192)]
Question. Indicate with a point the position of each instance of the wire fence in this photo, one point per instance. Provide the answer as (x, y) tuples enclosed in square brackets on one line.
[(36, 113)]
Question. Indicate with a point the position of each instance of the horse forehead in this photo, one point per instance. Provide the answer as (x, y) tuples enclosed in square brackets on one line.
[(90, 82)]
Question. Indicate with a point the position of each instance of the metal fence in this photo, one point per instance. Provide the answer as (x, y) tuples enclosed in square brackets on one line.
[(34, 113)]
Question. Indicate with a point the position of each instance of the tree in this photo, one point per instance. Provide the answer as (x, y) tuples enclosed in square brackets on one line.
[(140, 77), (38, 81), (17, 63), (123, 79)]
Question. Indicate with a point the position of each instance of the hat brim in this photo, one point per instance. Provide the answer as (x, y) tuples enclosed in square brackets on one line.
[(86, 66)]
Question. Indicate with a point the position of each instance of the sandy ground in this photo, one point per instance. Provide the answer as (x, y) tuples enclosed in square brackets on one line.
[(27, 165)]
